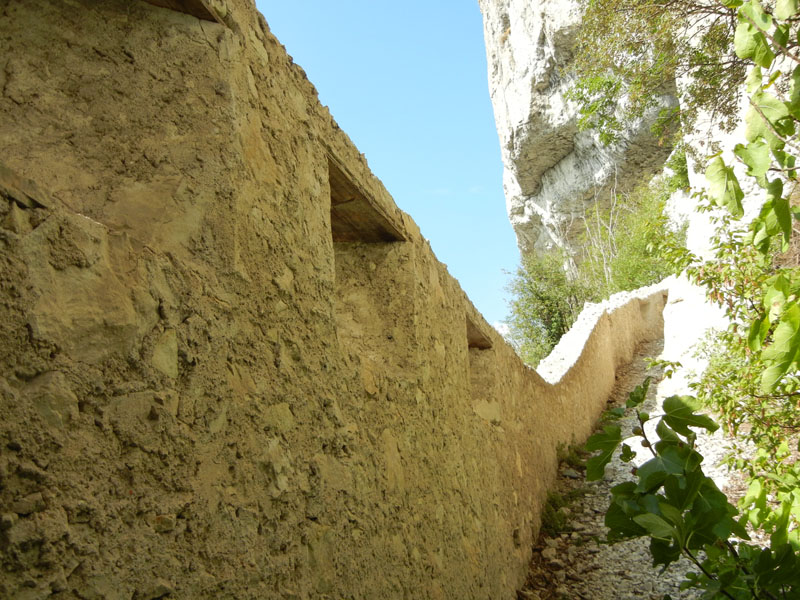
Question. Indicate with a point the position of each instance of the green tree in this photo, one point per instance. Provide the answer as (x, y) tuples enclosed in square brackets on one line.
[(629, 51), (545, 303), (683, 512), (616, 246)]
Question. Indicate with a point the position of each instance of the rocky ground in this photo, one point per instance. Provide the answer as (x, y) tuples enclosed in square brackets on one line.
[(571, 560)]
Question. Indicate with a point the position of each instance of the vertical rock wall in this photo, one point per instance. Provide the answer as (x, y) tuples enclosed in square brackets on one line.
[(230, 366), (553, 172)]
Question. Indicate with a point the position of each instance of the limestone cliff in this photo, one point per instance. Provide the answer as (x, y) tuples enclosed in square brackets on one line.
[(552, 170)]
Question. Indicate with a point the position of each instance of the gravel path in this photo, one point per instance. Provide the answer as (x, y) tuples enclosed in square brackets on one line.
[(572, 564)]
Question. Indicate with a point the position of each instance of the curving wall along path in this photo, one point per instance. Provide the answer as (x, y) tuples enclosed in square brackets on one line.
[(231, 367)]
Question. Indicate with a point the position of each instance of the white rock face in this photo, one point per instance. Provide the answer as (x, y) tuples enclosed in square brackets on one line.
[(552, 171)]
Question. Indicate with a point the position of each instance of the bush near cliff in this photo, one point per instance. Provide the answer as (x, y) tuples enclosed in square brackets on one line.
[(616, 249), (615, 256), (545, 303)]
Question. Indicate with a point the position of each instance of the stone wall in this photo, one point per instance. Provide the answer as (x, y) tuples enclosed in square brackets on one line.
[(230, 366)]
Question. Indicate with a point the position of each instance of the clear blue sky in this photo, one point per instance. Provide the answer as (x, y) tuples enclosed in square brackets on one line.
[(407, 82)]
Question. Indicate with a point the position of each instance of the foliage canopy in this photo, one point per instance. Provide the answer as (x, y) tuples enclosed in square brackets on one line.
[(630, 51)]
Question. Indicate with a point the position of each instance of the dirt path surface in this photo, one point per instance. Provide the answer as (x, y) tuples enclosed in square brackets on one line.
[(570, 560)]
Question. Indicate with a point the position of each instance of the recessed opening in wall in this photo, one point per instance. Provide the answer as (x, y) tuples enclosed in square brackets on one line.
[(482, 374), (476, 338), (196, 8), (374, 305), (354, 217)]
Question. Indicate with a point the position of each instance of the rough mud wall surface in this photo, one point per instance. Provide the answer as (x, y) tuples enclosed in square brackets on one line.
[(204, 395)]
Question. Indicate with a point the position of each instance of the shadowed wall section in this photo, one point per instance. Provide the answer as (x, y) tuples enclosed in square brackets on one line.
[(231, 367)]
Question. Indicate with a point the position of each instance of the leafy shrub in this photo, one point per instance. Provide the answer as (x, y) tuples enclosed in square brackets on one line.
[(617, 244), (683, 512), (629, 52), (545, 303), (616, 254)]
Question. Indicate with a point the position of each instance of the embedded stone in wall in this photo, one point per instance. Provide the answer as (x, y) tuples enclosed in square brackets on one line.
[(55, 402), (488, 411), (395, 476), (279, 417), (83, 287), (165, 354), (21, 191)]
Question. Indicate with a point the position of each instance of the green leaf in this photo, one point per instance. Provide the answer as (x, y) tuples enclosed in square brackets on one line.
[(767, 116), (627, 455), (672, 514), (755, 493), (757, 333), (749, 40), (785, 9), (606, 442), (755, 11), (757, 158), (775, 218), (616, 412), (665, 433), (739, 530), (620, 524), (782, 353), (711, 515), (779, 536), (652, 474), (776, 293), (663, 552), (781, 210), (754, 79), (775, 212), (639, 394), (724, 188), (777, 567), (681, 490), (670, 460), (624, 491), (780, 36), (794, 95), (770, 377), (760, 225), (786, 161), (680, 415), (785, 340), (655, 525)]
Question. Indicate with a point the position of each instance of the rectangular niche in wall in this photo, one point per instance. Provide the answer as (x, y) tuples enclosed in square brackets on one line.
[(196, 8), (354, 218), (476, 338), (374, 282), (482, 374)]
